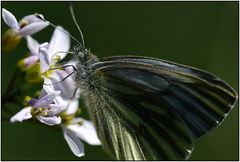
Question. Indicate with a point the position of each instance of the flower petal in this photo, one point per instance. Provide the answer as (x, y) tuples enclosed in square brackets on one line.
[(60, 99), (30, 60), (69, 91), (33, 45), (10, 19), (44, 45), (24, 114), (42, 93), (32, 28), (45, 101), (60, 42), (86, 131), (55, 109), (72, 107), (74, 143), (49, 120), (43, 57), (32, 18)]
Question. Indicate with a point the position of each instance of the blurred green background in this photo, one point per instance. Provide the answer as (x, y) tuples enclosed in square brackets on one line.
[(199, 34)]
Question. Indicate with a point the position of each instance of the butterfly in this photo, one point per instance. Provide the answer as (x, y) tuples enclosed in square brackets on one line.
[(149, 109)]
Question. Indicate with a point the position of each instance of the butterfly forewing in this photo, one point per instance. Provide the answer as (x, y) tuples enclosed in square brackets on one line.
[(150, 109), (204, 97)]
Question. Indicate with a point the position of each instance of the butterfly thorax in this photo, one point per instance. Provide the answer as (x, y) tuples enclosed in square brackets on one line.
[(85, 60)]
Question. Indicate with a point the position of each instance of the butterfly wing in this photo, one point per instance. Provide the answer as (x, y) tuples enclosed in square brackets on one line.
[(208, 96), (149, 109)]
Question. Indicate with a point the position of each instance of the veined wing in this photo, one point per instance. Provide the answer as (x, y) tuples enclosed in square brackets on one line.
[(136, 127), (148, 110), (171, 66), (200, 90)]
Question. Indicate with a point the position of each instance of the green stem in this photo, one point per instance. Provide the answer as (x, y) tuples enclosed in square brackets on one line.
[(13, 87), (10, 96)]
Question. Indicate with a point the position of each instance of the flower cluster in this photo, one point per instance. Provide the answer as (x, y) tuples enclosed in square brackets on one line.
[(57, 103)]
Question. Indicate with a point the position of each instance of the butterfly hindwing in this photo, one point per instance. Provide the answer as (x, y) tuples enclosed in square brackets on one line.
[(134, 127), (150, 109)]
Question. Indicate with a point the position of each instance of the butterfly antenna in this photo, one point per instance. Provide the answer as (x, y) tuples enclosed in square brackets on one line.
[(51, 24), (75, 22)]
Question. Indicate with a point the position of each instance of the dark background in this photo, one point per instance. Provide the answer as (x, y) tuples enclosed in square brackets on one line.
[(199, 34)]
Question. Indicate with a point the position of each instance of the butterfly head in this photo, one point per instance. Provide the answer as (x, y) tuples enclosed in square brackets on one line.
[(84, 60), (83, 55)]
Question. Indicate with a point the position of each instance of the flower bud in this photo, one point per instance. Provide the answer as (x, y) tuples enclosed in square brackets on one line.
[(33, 74), (26, 100), (27, 62), (10, 40)]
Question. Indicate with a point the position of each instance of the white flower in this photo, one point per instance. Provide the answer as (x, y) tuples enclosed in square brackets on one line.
[(33, 46), (74, 143), (56, 50), (56, 101), (24, 114), (28, 25), (49, 54), (84, 130), (44, 109), (62, 98), (78, 129), (33, 58)]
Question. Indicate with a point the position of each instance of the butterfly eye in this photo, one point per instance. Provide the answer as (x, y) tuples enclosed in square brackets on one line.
[(80, 54)]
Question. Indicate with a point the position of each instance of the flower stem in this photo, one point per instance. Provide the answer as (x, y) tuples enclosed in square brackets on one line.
[(12, 83), (12, 92)]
